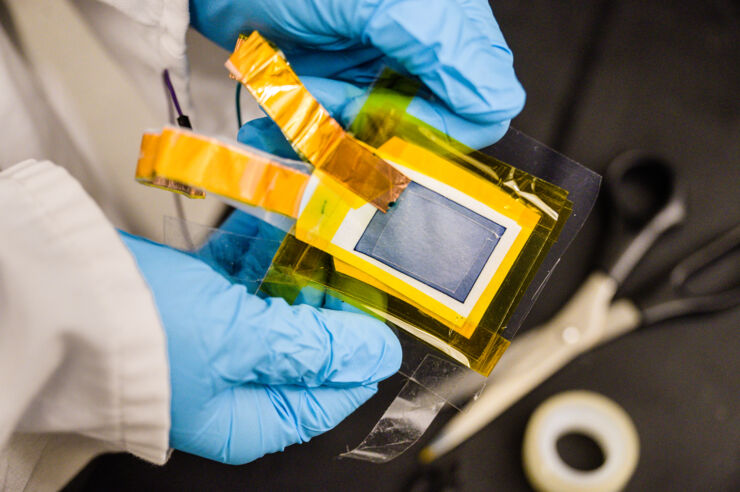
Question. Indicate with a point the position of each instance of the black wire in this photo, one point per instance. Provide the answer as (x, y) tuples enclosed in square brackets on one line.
[(184, 122), (182, 119), (238, 106), (171, 90)]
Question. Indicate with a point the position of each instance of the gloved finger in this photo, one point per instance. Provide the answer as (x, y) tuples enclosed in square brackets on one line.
[(317, 296), (312, 296), (480, 14), (317, 410), (336, 304), (368, 296), (359, 64), (344, 101), (335, 95), (464, 62), (473, 135), (267, 341), (249, 421), (252, 266), (244, 224), (298, 414), (455, 47)]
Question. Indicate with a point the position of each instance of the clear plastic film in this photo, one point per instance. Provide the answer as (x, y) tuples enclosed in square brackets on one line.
[(309, 128), (433, 380), (453, 262), (384, 118), (480, 340), (450, 260), (243, 258)]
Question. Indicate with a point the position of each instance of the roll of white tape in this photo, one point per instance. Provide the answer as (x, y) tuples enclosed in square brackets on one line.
[(586, 413)]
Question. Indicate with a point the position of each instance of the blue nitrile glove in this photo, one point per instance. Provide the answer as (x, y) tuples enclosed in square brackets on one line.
[(251, 376), (338, 47)]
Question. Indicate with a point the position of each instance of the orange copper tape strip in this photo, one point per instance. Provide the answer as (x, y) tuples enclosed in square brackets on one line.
[(310, 129), (231, 171), (145, 170)]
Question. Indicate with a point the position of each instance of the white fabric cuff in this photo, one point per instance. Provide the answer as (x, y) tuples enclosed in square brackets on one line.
[(112, 383)]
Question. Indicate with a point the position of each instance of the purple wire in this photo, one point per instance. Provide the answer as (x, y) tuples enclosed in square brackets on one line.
[(171, 90)]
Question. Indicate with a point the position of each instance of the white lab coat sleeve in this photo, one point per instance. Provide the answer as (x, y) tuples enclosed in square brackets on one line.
[(83, 359)]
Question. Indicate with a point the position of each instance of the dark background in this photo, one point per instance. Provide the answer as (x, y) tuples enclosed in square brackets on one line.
[(601, 77)]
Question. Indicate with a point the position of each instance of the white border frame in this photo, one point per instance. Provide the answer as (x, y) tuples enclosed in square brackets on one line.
[(356, 221)]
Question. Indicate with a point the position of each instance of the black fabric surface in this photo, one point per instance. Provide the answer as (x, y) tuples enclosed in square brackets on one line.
[(658, 75)]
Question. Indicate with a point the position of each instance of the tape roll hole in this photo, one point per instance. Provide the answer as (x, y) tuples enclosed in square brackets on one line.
[(580, 441), (580, 451)]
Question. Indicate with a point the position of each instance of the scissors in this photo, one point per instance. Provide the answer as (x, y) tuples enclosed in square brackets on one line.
[(642, 188)]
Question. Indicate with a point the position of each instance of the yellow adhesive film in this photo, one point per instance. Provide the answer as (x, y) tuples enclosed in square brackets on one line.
[(229, 170), (406, 224), (385, 116), (334, 225), (309, 127)]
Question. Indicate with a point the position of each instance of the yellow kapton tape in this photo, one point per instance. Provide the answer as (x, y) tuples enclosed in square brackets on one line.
[(145, 170), (309, 127), (229, 170), (326, 210)]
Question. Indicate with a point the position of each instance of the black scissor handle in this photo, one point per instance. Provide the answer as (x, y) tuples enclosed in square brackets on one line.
[(640, 185), (702, 259), (644, 193), (692, 301)]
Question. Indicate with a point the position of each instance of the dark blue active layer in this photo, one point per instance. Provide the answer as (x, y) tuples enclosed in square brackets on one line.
[(433, 240)]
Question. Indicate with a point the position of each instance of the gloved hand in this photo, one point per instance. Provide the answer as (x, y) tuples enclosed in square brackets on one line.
[(339, 46), (252, 376), (242, 249)]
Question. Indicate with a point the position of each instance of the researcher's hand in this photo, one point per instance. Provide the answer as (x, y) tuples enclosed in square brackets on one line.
[(252, 376), (338, 47)]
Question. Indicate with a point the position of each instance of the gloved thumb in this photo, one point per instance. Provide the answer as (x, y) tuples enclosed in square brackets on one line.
[(344, 101), (271, 342)]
